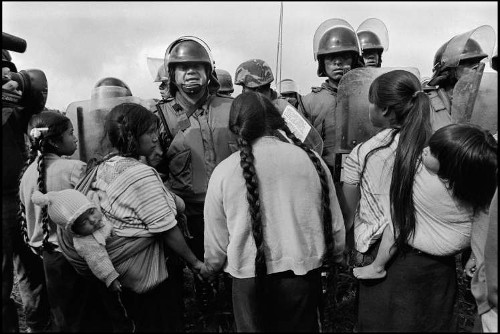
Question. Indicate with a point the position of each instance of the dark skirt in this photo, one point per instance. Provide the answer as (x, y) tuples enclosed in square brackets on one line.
[(417, 295), (289, 304)]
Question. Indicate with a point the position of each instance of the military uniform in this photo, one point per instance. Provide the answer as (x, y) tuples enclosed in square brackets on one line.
[(440, 108), (256, 74), (319, 108), (200, 140)]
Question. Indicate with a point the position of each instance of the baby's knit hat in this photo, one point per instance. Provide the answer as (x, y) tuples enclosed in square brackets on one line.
[(64, 206)]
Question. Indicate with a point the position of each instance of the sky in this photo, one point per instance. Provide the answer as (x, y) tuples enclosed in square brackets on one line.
[(78, 43)]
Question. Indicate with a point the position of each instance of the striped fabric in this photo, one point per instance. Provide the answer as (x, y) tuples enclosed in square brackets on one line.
[(373, 212), (133, 198)]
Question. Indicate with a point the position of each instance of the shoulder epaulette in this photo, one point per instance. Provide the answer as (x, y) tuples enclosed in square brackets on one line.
[(316, 89)]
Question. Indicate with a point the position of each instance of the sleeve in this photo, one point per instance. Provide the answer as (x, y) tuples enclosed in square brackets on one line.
[(77, 173), (97, 258), (491, 255), (329, 137), (216, 231), (352, 167), (152, 203), (338, 226)]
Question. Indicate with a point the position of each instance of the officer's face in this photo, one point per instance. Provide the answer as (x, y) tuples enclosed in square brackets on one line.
[(337, 64), (466, 66), (163, 89), (190, 75), (371, 58)]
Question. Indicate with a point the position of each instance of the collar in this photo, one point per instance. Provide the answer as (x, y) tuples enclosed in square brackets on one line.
[(187, 106)]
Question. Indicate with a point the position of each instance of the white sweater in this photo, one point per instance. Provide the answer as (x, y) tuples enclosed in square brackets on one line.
[(290, 197)]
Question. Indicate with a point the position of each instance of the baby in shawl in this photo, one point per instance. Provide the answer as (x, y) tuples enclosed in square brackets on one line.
[(74, 212)]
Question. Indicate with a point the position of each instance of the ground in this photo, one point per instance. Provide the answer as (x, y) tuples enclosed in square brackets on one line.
[(343, 312)]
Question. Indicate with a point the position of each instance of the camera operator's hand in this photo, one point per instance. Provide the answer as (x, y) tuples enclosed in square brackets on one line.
[(8, 83)]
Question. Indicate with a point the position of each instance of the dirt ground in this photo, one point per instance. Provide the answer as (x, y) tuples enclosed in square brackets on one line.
[(342, 312)]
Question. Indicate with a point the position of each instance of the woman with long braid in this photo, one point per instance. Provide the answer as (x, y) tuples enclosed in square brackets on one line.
[(47, 169), (272, 219)]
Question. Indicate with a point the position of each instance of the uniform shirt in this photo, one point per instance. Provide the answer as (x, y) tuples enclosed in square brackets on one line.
[(199, 143), (62, 173), (373, 213), (132, 196), (320, 110), (290, 193)]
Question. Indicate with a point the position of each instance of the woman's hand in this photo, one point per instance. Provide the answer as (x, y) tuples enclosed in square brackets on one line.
[(115, 286), (207, 274), (196, 268), (470, 266)]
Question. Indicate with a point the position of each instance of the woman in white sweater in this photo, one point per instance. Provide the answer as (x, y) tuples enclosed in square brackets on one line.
[(272, 219)]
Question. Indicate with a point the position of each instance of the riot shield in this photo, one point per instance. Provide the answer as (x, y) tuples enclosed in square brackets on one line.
[(352, 122), (377, 27), (477, 103), (464, 95), (154, 65), (88, 119)]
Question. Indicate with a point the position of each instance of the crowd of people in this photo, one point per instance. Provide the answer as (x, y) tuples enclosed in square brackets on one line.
[(249, 189)]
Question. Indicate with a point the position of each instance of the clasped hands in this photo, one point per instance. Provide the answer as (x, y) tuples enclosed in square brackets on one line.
[(203, 272)]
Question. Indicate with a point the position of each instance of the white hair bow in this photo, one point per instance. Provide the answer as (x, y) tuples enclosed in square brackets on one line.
[(37, 132)]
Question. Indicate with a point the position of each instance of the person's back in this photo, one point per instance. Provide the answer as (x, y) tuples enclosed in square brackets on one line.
[(291, 192), (292, 224)]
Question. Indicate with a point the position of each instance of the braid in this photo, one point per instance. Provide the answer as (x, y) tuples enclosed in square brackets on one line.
[(247, 164), (325, 196), (42, 187), (21, 213)]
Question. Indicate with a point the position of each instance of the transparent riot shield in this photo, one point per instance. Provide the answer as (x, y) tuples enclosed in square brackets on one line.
[(377, 27), (352, 122), (88, 119), (154, 66), (465, 93), (469, 44), (326, 26), (482, 99)]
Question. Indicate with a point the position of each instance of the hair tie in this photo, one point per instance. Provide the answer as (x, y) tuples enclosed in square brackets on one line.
[(37, 132), (416, 93)]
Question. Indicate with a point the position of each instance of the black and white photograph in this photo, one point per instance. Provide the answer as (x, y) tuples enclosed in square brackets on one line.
[(237, 166)]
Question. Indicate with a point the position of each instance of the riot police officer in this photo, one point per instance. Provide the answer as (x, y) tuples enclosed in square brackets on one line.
[(336, 48), (256, 75), (289, 90), (454, 59), (374, 40), (225, 81), (194, 130), (162, 77)]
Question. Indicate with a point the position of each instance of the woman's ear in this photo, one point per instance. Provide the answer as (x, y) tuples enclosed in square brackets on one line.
[(385, 111), (53, 142)]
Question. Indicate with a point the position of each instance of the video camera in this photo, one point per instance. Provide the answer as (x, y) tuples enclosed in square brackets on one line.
[(31, 83)]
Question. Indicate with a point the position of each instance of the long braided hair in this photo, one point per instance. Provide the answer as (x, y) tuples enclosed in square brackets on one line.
[(55, 125), (253, 116)]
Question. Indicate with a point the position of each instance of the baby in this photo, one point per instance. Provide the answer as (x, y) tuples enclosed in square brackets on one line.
[(463, 157), (74, 212)]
